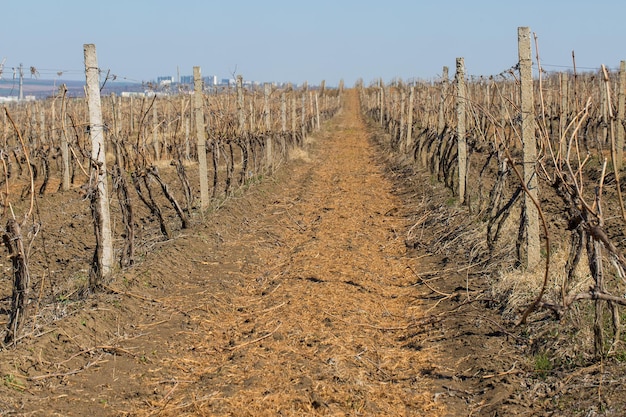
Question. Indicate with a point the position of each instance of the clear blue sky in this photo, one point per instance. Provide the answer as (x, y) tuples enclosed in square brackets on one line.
[(292, 40)]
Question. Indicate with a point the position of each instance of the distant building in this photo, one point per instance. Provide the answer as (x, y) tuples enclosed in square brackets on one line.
[(165, 80), (132, 94), (211, 80), (16, 99)]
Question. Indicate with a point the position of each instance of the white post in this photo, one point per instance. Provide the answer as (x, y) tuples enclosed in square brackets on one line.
[(529, 141), (98, 167)]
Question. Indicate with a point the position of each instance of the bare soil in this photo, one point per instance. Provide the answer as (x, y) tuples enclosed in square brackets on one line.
[(298, 296)]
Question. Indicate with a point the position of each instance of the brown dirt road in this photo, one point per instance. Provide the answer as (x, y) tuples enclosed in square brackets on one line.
[(297, 297)]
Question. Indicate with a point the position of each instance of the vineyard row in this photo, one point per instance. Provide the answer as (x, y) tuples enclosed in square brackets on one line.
[(136, 170), (537, 164)]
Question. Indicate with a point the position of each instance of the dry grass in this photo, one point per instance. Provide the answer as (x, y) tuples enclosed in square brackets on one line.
[(518, 288)]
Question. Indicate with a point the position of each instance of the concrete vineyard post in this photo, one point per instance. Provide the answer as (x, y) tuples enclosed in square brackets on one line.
[(529, 143), (5, 129), (402, 120), (241, 118), (198, 111), (409, 120), (65, 151), (42, 126), (283, 121), (441, 122), (311, 110), (187, 142), (166, 133), (155, 131), (267, 115), (268, 125), (241, 129), (132, 115), (184, 116), (317, 112), (621, 113), (252, 113), (564, 110), (460, 127), (104, 244), (53, 117), (304, 112), (381, 101), (32, 133), (604, 111), (293, 118), (118, 116), (441, 119), (283, 112)]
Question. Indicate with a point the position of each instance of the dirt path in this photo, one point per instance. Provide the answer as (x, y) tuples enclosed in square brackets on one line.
[(297, 298), (313, 325)]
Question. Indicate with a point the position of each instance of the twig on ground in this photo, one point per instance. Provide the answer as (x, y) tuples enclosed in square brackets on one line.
[(231, 348)]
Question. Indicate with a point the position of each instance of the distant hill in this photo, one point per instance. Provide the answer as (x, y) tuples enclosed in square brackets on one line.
[(46, 88)]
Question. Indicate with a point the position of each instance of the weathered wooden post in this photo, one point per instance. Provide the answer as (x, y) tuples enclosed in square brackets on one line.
[(103, 259), (200, 137), (529, 141), (460, 127)]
